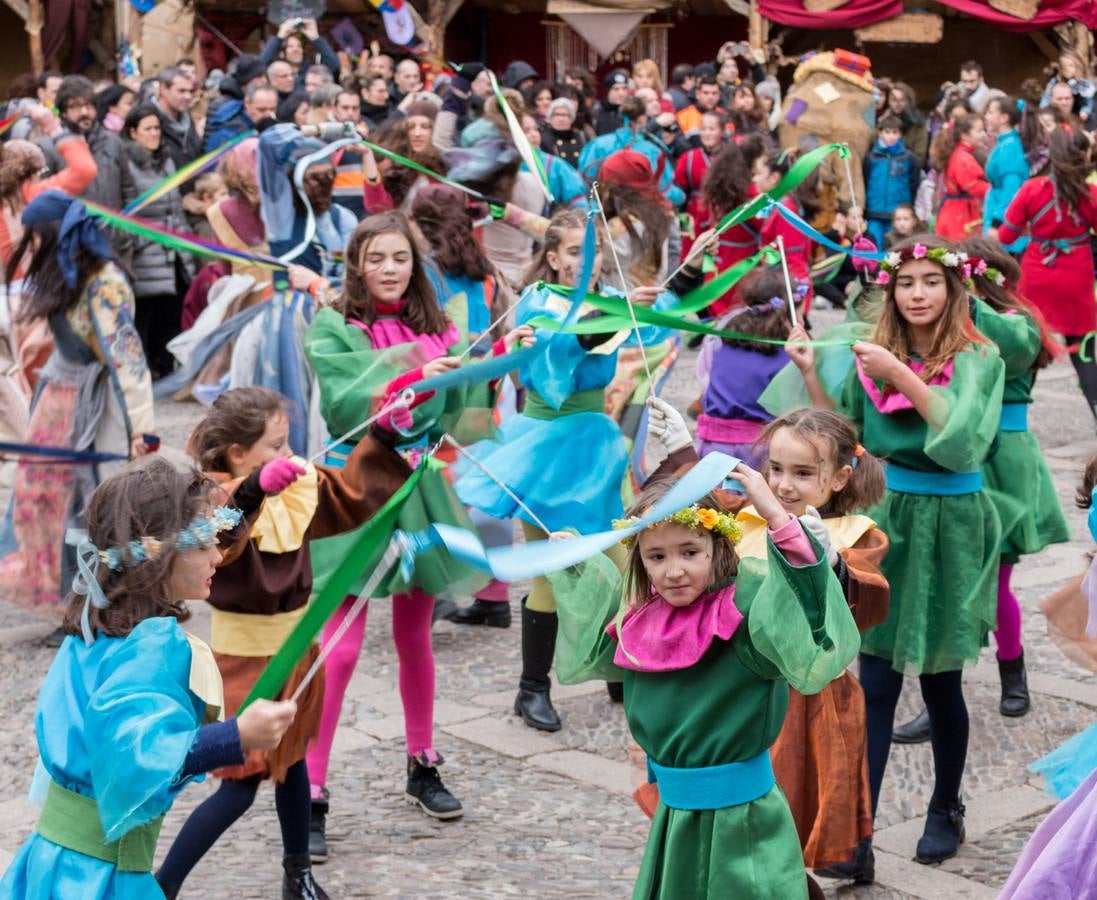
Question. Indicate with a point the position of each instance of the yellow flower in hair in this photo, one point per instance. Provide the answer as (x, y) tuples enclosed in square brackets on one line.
[(708, 518)]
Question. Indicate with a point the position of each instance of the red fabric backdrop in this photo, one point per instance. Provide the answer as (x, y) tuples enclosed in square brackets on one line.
[(857, 13)]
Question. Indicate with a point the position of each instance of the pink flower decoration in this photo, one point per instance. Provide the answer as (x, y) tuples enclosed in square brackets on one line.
[(883, 277), (919, 251), (981, 266), (967, 270)]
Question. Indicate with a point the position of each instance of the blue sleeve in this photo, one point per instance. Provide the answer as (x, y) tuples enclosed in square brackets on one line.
[(271, 49), (141, 723), (653, 334), (566, 183), (328, 56), (552, 373), (217, 745)]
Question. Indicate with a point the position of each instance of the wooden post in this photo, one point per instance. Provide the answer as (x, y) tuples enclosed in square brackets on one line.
[(757, 27), (34, 30)]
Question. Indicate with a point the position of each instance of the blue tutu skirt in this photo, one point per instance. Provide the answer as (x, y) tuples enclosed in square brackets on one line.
[(568, 471), (1069, 764)]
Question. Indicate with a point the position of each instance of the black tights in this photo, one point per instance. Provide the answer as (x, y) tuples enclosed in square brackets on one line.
[(1086, 371), (943, 694), (232, 799)]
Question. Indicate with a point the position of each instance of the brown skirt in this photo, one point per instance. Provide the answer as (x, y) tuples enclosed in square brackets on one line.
[(239, 674), (821, 764)]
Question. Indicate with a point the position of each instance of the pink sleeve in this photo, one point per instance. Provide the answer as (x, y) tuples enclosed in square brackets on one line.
[(80, 170), (375, 197), (793, 543)]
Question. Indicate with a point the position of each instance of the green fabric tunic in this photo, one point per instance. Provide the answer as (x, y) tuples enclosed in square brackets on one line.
[(352, 376), (1016, 477), (943, 561), (728, 707)]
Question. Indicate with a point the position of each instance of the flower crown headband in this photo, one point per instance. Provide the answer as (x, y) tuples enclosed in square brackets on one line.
[(965, 265), (201, 532), (691, 517)]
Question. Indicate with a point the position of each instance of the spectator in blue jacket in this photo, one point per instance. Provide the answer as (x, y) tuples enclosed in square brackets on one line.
[(1007, 166), (892, 175), (288, 44), (631, 136), (237, 116)]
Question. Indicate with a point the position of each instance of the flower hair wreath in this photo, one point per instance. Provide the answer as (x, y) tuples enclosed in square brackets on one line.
[(201, 532), (965, 265), (691, 517)]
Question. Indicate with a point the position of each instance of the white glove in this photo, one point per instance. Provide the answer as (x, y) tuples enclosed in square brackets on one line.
[(666, 424), (813, 525)]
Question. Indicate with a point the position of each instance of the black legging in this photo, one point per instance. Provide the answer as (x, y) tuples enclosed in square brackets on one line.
[(1086, 371), (943, 694), (231, 800)]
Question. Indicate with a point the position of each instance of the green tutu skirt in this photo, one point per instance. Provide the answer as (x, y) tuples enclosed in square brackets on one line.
[(436, 572), (748, 851), (1019, 485), (942, 567)]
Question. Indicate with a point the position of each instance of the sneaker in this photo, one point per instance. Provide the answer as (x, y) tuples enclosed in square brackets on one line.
[(426, 790), (318, 841)]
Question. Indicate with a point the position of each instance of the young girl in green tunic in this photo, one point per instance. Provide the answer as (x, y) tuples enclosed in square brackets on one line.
[(706, 647), (926, 394)]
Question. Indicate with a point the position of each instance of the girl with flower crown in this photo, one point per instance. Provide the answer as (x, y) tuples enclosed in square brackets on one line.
[(730, 635), (926, 393), (131, 710), (261, 593), (1016, 476)]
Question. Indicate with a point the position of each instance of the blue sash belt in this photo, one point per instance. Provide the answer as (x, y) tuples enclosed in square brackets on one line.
[(1014, 417), (713, 787), (934, 484), (336, 457)]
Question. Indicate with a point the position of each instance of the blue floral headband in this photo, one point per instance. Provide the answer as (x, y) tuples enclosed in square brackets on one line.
[(201, 532)]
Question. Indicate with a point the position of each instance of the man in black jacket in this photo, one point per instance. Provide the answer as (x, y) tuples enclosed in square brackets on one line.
[(179, 139)]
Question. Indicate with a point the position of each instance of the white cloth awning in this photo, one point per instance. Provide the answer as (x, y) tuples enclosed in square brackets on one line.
[(604, 28)]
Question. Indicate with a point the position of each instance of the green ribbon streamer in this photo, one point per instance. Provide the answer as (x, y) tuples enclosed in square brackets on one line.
[(366, 549), (618, 319), (422, 170), (703, 296)]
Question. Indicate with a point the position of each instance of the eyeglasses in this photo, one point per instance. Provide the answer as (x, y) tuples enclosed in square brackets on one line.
[(79, 104)]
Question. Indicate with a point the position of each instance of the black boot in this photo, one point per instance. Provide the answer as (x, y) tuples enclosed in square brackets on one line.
[(1015, 699), (916, 731), (318, 840), (443, 609), (483, 612), (943, 834), (616, 691), (533, 703), (297, 880), (426, 790), (861, 869)]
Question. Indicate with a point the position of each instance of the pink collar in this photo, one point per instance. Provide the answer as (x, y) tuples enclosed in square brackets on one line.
[(895, 401), (659, 637)]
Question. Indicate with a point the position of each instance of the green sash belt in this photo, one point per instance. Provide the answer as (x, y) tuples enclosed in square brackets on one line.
[(579, 402), (71, 820)]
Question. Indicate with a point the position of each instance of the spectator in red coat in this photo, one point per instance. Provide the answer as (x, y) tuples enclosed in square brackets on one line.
[(964, 183)]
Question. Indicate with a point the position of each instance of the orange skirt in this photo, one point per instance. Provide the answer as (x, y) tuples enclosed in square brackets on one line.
[(239, 674), (821, 764)]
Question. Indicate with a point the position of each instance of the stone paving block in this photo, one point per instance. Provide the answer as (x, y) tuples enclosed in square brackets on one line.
[(1042, 683), (560, 692), (984, 814), (496, 734), (607, 774), (927, 882)]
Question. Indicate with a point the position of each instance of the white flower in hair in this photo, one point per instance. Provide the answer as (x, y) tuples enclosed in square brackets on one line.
[(950, 259), (892, 260)]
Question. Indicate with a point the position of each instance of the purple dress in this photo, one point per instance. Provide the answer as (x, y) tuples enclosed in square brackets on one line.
[(732, 419)]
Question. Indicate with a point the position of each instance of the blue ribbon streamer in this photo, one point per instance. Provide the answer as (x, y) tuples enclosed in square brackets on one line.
[(522, 561), (794, 219), (59, 454)]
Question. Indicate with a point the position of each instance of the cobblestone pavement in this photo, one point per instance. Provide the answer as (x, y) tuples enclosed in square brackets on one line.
[(551, 815)]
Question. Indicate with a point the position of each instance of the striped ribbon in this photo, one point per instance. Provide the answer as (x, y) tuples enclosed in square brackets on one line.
[(186, 173)]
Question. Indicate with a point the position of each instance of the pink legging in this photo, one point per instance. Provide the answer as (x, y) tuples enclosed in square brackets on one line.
[(411, 621), (1008, 634)]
